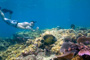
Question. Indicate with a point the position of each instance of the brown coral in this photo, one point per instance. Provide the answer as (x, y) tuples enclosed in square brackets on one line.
[(83, 39), (77, 58), (67, 56)]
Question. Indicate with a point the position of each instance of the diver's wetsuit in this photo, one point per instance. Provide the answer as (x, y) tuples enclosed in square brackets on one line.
[(11, 22)]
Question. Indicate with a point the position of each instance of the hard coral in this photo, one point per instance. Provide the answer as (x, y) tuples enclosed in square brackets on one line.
[(77, 58), (67, 56), (67, 39), (84, 52), (83, 39), (88, 34), (80, 49), (56, 49), (12, 52), (65, 46), (29, 50)]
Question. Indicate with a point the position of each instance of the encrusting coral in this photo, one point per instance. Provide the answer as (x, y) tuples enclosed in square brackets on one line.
[(12, 52)]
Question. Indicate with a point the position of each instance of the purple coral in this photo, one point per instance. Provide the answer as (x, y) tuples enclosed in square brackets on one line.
[(69, 47)]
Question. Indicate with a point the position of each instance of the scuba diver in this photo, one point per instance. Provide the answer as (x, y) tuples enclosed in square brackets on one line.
[(14, 23)]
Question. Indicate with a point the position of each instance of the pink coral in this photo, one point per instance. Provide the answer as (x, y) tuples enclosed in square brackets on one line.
[(84, 52)]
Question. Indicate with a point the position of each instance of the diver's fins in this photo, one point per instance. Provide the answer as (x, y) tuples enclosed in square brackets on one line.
[(6, 10), (10, 11)]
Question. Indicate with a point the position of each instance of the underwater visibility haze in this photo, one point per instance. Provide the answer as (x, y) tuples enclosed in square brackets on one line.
[(47, 13), (45, 30)]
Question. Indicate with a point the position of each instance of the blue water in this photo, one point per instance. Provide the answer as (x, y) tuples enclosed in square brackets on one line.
[(47, 13)]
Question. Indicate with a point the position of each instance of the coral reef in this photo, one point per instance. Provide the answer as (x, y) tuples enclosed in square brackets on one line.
[(83, 39), (77, 58), (65, 46), (56, 49), (3, 44), (80, 49), (12, 52), (67, 56), (23, 36), (84, 52), (55, 43)]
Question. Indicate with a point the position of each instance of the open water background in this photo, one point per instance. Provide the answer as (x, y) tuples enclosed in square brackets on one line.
[(47, 13)]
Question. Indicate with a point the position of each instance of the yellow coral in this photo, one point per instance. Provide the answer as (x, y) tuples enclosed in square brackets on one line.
[(29, 48), (59, 42), (17, 55), (88, 34), (80, 34), (12, 58), (12, 52), (56, 49)]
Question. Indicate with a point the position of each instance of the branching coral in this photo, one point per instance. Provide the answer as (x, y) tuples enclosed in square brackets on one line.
[(3, 44), (12, 52)]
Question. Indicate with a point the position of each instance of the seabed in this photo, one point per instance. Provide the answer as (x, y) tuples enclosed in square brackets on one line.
[(48, 44)]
